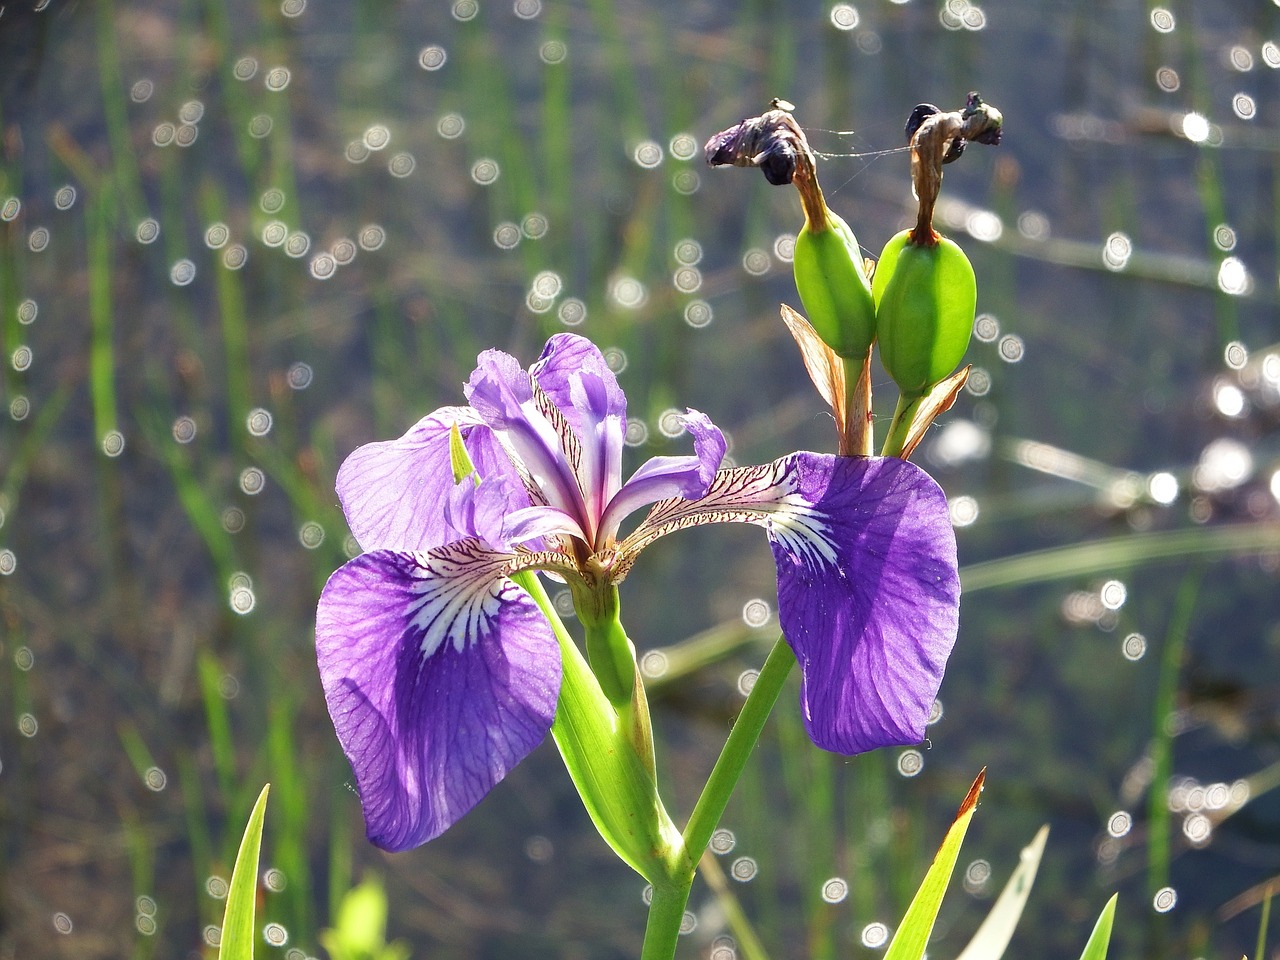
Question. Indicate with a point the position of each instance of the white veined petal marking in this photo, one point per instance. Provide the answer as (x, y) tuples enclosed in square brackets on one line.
[(459, 590), (797, 525)]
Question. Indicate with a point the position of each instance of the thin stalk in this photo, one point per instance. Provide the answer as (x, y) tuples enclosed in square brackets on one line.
[(742, 740), (748, 941), (1080, 559), (1175, 643), (903, 414)]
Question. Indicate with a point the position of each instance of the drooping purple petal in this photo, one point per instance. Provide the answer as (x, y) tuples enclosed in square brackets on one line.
[(868, 596), (868, 590), (521, 526), (440, 675), (391, 491), (660, 477)]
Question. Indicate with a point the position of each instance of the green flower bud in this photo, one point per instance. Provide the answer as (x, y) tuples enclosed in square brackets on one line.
[(925, 297), (833, 286)]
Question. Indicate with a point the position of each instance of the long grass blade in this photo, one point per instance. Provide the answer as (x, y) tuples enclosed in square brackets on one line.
[(912, 935), (238, 921)]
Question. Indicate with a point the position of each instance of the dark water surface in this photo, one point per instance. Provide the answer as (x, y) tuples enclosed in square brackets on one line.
[(238, 240)]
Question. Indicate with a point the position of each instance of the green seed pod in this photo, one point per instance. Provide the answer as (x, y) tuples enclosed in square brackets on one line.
[(925, 298), (834, 288)]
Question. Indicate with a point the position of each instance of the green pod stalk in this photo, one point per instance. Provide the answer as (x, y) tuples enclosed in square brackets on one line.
[(833, 286), (925, 297)]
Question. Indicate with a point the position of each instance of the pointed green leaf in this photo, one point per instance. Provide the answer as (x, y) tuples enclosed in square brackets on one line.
[(237, 922), (1096, 948), (459, 459), (912, 935), (993, 936)]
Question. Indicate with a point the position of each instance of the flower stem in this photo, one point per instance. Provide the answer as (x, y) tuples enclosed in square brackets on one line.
[(742, 740), (666, 915), (900, 425)]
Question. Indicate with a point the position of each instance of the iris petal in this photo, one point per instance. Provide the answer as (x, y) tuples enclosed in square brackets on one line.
[(868, 596), (868, 589), (530, 425), (440, 675), (391, 490)]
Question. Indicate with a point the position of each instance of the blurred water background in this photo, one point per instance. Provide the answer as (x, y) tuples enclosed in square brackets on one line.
[(239, 239)]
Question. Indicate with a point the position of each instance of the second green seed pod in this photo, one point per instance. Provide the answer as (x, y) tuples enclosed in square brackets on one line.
[(925, 298)]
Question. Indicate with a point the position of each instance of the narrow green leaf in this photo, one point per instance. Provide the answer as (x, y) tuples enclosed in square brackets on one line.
[(912, 935), (237, 922), (993, 936), (1096, 948)]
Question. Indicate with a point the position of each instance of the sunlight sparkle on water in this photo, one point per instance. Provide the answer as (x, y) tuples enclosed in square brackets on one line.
[(451, 126), (1244, 106), (683, 146), (835, 890), (756, 262), (648, 154), (686, 182), (1162, 487), (698, 313), (1235, 355), (984, 225), (1195, 127), (572, 312), (875, 934), (1233, 277), (756, 612), (964, 511), (627, 291), (485, 171), (653, 664), (552, 52), (1224, 464), (844, 16), (1167, 79), (432, 57), (1228, 399), (1240, 58), (1116, 250)]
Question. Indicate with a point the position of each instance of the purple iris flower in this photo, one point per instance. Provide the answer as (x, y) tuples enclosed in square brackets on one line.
[(440, 672)]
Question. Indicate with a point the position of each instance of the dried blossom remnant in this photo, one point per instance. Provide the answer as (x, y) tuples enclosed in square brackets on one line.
[(937, 138), (772, 141)]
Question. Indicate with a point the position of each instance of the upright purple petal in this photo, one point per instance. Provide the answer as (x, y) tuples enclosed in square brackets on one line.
[(868, 596), (531, 425), (565, 355), (392, 490), (440, 675)]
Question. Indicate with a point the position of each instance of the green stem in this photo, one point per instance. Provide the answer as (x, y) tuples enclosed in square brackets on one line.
[(666, 915), (742, 740), (666, 910), (903, 414)]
